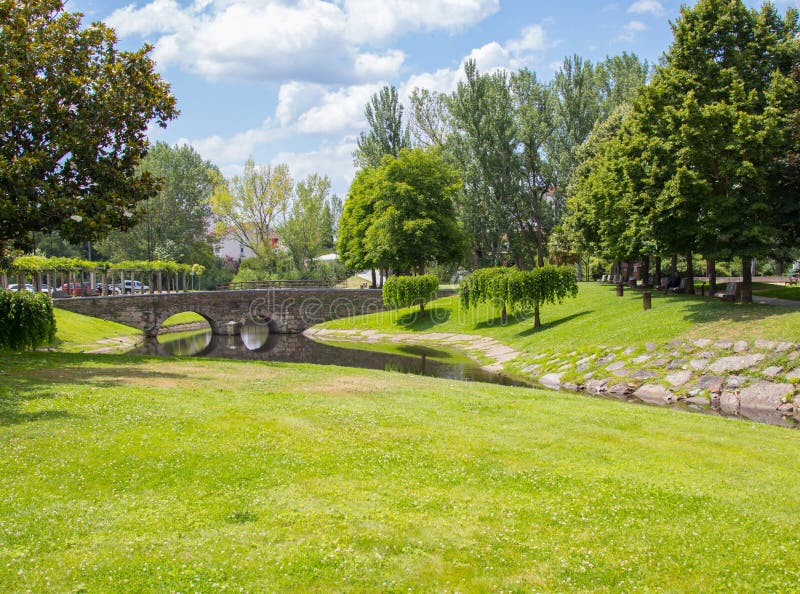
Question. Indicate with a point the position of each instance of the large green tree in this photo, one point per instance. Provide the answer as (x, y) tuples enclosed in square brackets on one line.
[(484, 144), (74, 112), (718, 119), (175, 223), (401, 215)]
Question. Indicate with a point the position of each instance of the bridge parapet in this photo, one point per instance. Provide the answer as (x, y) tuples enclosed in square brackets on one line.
[(286, 311)]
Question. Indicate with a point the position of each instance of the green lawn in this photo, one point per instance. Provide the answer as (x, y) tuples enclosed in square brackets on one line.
[(137, 474), (791, 292), (76, 333), (595, 318)]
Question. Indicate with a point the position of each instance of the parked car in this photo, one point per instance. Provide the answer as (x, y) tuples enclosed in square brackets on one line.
[(110, 289), (130, 286), (47, 289), (79, 289), (25, 287)]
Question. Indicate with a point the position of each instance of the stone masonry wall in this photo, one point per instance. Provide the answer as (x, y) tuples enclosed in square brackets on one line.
[(287, 311)]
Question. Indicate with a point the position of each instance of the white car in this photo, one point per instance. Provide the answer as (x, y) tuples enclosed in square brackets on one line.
[(130, 286), (25, 287)]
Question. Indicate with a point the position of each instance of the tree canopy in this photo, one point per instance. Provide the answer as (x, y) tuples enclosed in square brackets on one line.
[(400, 215), (175, 223), (74, 113)]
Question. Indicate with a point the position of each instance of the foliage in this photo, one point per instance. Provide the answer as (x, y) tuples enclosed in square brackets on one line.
[(518, 290), (711, 129), (249, 207), (407, 291), (26, 320), (174, 221), (400, 215), (387, 134), (74, 112), (309, 227)]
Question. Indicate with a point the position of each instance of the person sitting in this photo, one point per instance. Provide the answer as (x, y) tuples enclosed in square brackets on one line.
[(674, 282)]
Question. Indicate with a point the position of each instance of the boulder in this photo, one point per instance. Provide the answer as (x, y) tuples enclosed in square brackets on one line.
[(551, 380), (765, 396), (729, 402), (712, 383), (735, 363), (654, 394), (679, 379)]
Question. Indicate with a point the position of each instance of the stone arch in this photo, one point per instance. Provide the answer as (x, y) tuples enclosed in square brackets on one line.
[(176, 309)]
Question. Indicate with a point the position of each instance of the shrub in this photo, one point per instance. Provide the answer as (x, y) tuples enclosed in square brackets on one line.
[(405, 291), (26, 320)]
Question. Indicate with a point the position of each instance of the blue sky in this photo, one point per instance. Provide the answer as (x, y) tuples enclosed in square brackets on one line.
[(287, 80)]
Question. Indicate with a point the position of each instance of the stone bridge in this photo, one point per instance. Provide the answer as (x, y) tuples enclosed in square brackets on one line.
[(286, 311)]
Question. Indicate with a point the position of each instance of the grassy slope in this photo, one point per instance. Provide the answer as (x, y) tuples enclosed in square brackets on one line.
[(140, 474), (598, 317), (77, 333)]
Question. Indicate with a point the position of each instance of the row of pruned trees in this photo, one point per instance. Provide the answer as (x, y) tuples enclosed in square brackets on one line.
[(703, 160), (54, 272)]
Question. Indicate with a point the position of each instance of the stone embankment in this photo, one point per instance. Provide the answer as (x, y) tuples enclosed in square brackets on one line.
[(755, 379)]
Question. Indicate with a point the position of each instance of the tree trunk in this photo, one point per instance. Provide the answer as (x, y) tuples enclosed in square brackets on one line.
[(747, 280), (673, 264), (504, 315), (104, 285), (711, 273), (537, 322), (689, 274), (779, 267), (645, 271), (374, 280), (657, 274), (421, 309)]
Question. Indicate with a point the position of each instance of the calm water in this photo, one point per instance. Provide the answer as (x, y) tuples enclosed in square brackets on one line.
[(258, 344)]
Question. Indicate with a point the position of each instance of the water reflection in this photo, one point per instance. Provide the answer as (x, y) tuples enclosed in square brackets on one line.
[(257, 343)]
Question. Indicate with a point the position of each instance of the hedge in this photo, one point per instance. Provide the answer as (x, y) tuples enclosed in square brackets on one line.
[(26, 320)]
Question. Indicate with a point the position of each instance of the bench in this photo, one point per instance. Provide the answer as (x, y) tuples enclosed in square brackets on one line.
[(681, 288), (732, 292), (792, 280)]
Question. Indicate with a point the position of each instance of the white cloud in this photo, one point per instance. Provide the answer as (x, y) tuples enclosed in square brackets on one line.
[(332, 159), (371, 21), (308, 40), (532, 39), (338, 111), (630, 30), (646, 6)]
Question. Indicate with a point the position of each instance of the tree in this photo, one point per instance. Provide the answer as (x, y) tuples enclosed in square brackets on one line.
[(74, 113), (174, 223), (407, 291), (387, 134), (484, 143), (309, 227), (534, 109), (718, 118), (519, 289), (248, 207), (400, 215)]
